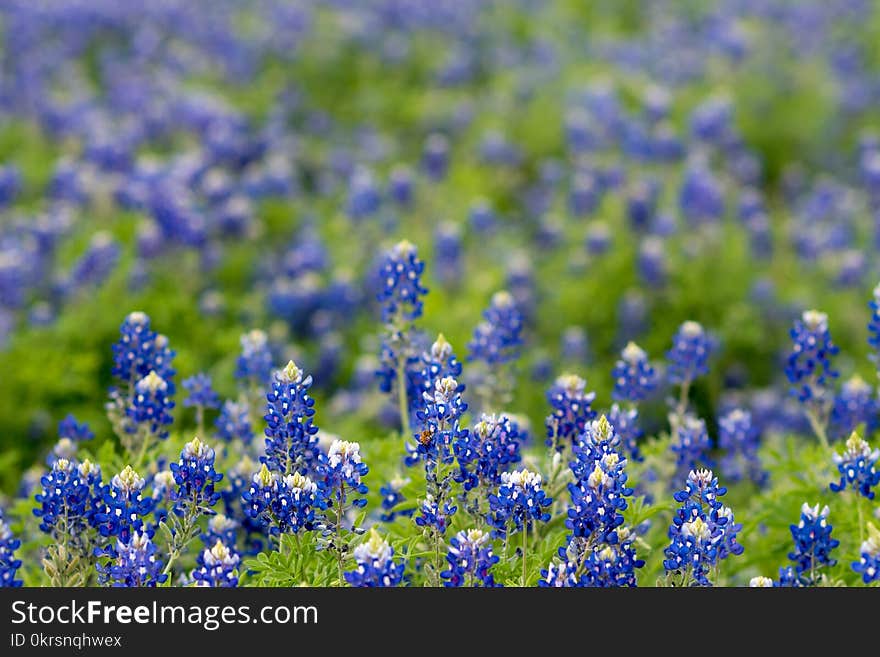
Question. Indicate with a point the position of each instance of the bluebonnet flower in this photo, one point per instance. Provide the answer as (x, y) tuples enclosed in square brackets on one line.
[(123, 507), (291, 437), (652, 262), (392, 497), (132, 563), (498, 338), (65, 448), (435, 157), (376, 566), (612, 564), (702, 531), (68, 499), (520, 501), (195, 477), (440, 422), (868, 565), (561, 574), (434, 515), (9, 565), (598, 494), (233, 423), (485, 451), (95, 264), (701, 197), (402, 289), (139, 351), (854, 405), (858, 467), (438, 363), (164, 488), (571, 411), (447, 253), (626, 425), (809, 364), (364, 198), (586, 563), (691, 444), (72, 430), (400, 185), (151, 406), (343, 470), (761, 582), (788, 578), (284, 504), (874, 324), (634, 378), (740, 439), (470, 559), (217, 566), (689, 356), (812, 544), (201, 392), (221, 528), (254, 364)]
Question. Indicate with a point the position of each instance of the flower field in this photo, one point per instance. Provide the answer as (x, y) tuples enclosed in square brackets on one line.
[(452, 294)]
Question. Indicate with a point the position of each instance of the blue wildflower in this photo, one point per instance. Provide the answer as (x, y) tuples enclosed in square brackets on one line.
[(634, 378), (123, 508), (571, 411), (855, 404), (874, 324), (393, 497), (201, 392), (626, 425), (520, 501), (599, 492), (868, 565), (858, 467), (9, 565), (217, 566), (809, 364), (812, 544), (221, 528), (440, 422), (702, 532), (150, 408), (402, 288), (132, 563), (691, 444), (470, 560), (72, 430), (254, 364), (485, 451), (139, 351), (376, 566), (233, 423), (498, 338), (195, 477), (291, 437), (689, 356), (739, 438), (68, 499), (343, 470), (434, 515), (284, 504)]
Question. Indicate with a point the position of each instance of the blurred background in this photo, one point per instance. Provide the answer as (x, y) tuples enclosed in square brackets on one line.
[(618, 166)]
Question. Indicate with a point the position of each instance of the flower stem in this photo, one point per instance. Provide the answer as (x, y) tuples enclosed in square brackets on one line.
[(525, 543), (818, 427)]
